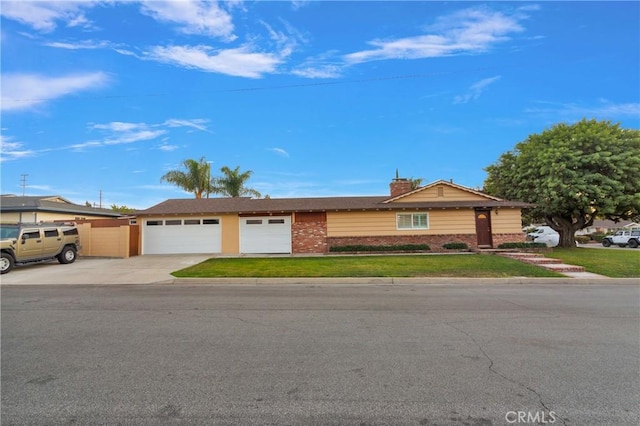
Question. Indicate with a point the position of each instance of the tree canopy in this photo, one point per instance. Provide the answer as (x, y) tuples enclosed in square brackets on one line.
[(196, 178), (573, 173), (232, 183)]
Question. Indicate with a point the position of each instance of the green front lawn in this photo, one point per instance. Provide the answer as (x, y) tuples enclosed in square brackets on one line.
[(608, 262), (481, 266)]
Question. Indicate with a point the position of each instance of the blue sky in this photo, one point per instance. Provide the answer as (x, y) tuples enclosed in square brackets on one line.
[(316, 98)]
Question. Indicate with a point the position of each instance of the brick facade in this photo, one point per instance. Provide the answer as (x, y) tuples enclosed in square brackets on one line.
[(435, 242), (309, 237)]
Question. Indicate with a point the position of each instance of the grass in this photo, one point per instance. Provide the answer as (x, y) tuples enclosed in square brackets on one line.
[(608, 262), (481, 266)]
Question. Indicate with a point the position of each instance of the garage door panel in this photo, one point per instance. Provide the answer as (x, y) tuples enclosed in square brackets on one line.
[(182, 236), (265, 234)]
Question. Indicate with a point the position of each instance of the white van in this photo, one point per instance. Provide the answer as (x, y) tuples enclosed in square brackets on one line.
[(544, 234)]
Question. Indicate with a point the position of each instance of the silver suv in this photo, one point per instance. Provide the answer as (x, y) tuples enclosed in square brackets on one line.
[(623, 238), (28, 243)]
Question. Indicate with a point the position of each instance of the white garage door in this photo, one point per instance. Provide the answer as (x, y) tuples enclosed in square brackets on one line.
[(269, 234), (169, 236)]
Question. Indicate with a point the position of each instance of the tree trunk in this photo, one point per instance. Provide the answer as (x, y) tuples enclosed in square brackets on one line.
[(566, 228)]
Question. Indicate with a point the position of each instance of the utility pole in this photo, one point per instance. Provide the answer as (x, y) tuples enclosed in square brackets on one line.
[(24, 183), (101, 198)]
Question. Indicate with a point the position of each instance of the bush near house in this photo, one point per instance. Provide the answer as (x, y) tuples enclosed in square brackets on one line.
[(365, 248), (583, 239), (456, 246)]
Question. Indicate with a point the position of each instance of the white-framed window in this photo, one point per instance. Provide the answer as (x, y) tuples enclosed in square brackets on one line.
[(412, 220)]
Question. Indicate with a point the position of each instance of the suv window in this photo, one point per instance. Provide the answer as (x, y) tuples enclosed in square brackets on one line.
[(48, 233), (72, 231), (30, 235), (635, 233)]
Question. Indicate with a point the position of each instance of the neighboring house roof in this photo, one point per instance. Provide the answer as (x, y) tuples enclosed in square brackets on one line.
[(319, 204), (51, 204)]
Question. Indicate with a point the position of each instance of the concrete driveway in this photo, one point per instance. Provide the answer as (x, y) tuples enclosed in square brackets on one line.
[(134, 270)]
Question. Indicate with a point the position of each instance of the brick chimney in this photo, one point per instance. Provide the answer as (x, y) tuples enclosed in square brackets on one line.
[(399, 186)]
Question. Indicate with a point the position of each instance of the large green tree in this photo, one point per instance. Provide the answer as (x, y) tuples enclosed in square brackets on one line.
[(232, 183), (196, 178), (573, 173)]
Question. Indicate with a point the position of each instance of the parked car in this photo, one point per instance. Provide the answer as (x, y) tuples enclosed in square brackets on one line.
[(544, 234), (28, 243), (623, 238)]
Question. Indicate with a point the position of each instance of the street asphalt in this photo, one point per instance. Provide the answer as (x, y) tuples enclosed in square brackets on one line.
[(321, 354)]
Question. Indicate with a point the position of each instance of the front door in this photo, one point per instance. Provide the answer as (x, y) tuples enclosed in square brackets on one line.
[(483, 228)]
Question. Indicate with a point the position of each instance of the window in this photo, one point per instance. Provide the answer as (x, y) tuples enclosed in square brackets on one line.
[(31, 235), (254, 221), (48, 233), (72, 231), (413, 221), (154, 223), (211, 221), (173, 222), (192, 221), (274, 221)]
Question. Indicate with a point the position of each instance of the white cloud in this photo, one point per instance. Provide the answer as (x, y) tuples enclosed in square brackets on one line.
[(11, 150), (118, 126), (24, 91), (198, 123), (240, 62), (475, 90), (85, 44), (168, 148), (193, 17), (280, 152), (44, 16), (603, 110), (468, 31)]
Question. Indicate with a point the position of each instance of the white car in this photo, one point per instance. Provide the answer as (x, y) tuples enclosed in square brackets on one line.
[(544, 234)]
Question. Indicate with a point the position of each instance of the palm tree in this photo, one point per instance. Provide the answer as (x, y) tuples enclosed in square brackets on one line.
[(196, 179), (231, 184), (416, 183)]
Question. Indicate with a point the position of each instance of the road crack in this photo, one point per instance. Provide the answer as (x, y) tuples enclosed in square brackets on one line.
[(509, 379)]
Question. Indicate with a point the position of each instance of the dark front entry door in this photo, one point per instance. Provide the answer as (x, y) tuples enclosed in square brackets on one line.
[(483, 228)]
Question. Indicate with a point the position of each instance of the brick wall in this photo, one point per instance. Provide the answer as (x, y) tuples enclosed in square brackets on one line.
[(309, 237), (434, 241)]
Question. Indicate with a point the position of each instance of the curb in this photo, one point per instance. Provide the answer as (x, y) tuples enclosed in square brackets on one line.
[(401, 281)]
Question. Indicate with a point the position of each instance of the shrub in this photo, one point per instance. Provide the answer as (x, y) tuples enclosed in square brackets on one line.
[(583, 239), (597, 237), (521, 245), (401, 247), (455, 246)]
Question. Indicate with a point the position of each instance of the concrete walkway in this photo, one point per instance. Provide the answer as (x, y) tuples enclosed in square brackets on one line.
[(551, 264)]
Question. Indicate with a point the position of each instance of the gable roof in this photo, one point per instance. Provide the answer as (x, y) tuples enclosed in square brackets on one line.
[(50, 203), (443, 182), (319, 204)]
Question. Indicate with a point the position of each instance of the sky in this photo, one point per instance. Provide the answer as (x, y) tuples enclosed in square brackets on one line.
[(316, 98)]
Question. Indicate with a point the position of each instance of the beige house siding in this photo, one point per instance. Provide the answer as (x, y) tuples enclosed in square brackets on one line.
[(362, 224), (506, 221), (440, 193), (230, 233)]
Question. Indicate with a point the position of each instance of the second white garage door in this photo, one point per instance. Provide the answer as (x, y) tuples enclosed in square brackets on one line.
[(174, 236), (269, 234)]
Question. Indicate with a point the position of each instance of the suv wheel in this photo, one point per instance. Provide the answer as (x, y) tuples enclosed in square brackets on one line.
[(606, 242), (68, 255), (633, 243), (6, 263)]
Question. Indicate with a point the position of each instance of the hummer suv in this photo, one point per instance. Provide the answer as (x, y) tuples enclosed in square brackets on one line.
[(28, 243)]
